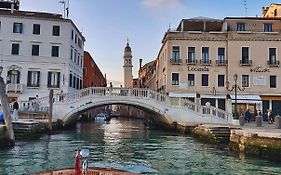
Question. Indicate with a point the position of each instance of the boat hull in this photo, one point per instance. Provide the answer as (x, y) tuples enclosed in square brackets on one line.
[(90, 171)]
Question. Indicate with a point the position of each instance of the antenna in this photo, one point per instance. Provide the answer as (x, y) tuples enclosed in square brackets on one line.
[(244, 3)]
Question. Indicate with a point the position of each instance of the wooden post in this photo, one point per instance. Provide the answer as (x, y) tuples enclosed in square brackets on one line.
[(51, 94), (6, 110)]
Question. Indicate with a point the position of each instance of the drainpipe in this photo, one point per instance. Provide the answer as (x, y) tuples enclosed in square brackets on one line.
[(5, 107)]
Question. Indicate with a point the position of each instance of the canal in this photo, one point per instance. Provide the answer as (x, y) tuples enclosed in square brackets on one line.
[(127, 144)]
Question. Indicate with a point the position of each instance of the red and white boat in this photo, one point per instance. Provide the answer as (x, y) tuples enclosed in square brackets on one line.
[(77, 170)]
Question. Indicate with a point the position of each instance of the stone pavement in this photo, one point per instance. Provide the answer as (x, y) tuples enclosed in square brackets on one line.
[(266, 130)]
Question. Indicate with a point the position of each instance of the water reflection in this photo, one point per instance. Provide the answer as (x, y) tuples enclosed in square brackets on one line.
[(126, 144)]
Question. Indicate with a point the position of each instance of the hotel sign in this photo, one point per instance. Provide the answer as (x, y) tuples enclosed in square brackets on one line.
[(198, 69), (259, 69)]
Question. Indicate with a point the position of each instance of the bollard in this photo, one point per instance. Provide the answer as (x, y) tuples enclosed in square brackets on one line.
[(241, 120), (277, 122), (259, 121)]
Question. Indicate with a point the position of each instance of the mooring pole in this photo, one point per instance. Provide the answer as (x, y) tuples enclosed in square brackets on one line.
[(6, 110), (51, 94)]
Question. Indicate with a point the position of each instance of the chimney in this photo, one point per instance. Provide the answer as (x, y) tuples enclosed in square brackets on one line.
[(140, 63)]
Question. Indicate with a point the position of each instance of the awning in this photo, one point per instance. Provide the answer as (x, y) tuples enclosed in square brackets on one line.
[(173, 94), (217, 96), (247, 99)]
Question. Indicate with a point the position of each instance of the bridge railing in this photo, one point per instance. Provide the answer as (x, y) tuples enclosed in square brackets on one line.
[(42, 104)]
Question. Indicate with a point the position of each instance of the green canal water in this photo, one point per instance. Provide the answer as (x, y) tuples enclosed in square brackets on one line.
[(128, 145)]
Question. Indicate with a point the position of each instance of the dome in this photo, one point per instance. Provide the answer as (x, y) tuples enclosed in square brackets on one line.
[(128, 48)]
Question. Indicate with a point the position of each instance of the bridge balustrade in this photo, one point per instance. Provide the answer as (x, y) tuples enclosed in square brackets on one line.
[(42, 104)]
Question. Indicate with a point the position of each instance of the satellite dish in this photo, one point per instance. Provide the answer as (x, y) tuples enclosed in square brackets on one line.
[(85, 153)]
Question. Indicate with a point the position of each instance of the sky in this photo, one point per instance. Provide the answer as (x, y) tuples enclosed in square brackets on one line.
[(107, 24)]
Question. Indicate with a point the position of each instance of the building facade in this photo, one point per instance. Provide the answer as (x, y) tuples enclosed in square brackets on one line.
[(200, 59), (92, 76), (39, 52)]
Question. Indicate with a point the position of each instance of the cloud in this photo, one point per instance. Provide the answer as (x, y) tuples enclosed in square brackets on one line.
[(163, 4)]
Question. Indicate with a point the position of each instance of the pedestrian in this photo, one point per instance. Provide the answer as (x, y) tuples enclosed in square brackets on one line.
[(269, 116), (247, 116), (15, 109)]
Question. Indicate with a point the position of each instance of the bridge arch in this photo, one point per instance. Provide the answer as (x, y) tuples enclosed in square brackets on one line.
[(159, 113)]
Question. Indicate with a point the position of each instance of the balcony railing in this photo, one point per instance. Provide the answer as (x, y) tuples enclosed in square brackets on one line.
[(14, 88), (205, 62), (175, 61), (191, 61), (221, 62), (273, 63), (245, 62)]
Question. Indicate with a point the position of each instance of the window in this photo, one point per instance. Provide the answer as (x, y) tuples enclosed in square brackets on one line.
[(35, 50), (272, 55), (17, 28), (13, 76), (273, 81), (15, 49), (71, 54), (54, 79), (205, 80), (72, 33), (176, 53), (75, 38), (267, 27), (245, 81), (70, 80), (175, 79), (275, 12), (205, 54), (79, 42), (220, 80), (191, 79), (56, 30), (221, 52), (36, 29), (55, 51), (241, 27), (33, 78), (191, 54), (245, 55)]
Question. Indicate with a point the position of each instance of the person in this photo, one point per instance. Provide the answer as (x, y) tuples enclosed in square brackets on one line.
[(2, 119), (15, 109), (269, 116), (247, 116)]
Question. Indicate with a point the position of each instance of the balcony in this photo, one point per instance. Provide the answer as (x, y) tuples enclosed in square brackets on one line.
[(206, 62), (14, 88), (245, 62), (273, 63), (191, 61), (221, 62), (175, 61)]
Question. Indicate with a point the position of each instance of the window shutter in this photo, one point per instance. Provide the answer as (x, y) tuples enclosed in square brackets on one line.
[(58, 83), (38, 78), (49, 79), (29, 78), (9, 77), (18, 77)]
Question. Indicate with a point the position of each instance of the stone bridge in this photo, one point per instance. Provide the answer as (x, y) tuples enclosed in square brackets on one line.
[(68, 106)]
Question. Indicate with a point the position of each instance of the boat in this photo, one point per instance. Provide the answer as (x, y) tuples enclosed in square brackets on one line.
[(85, 170), (102, 117)]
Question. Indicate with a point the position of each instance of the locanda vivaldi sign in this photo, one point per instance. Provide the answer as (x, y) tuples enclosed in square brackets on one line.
[(260, 69), (198, 69)]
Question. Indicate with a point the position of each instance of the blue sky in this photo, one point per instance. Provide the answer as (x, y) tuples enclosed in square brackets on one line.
[(106, 24)]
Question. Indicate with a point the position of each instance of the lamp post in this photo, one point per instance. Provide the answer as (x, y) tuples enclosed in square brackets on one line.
[(235, 88)]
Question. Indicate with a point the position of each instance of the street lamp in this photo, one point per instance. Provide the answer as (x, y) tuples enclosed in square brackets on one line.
[(234, 88)]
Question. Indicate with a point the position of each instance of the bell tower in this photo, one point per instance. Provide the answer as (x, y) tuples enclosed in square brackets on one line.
[(128, 76)]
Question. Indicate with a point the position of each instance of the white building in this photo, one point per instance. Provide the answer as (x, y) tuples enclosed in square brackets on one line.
[(39, 52)]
